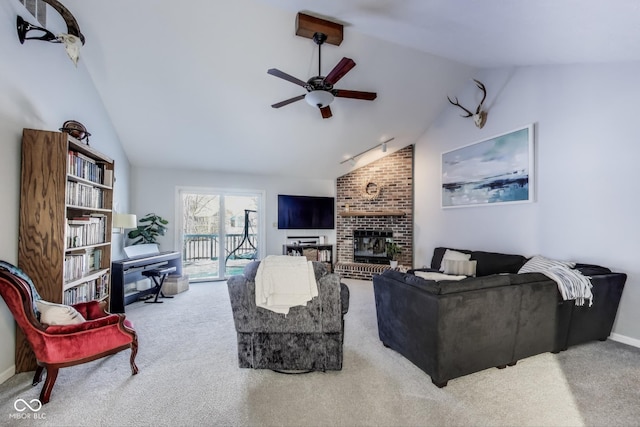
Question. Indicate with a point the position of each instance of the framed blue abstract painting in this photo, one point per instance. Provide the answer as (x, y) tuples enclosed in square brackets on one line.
[(493, 171)]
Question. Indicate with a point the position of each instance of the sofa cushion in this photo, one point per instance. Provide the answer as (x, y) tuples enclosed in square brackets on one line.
[(459, 267), (453, 255), (58, 314), (592, 269), (487, 262), (437, 276), (438, 255), (496, 263)]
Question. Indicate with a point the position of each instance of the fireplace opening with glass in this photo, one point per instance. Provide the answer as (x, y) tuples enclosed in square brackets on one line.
[(370, 246)]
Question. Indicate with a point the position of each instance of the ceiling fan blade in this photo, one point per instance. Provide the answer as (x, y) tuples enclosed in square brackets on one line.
[(288, 101), (355, 94), (285, 76), (326, 112), (344, 66)]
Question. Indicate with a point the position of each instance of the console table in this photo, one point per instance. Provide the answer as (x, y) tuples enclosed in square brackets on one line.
[(322, 253)]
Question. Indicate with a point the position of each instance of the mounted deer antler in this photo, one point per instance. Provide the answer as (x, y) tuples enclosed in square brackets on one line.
[(480, 116)]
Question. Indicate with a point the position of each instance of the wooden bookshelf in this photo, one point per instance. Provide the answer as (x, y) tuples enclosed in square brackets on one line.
[(66, 198)]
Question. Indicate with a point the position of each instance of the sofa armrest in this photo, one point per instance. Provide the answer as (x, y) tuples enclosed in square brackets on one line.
[(330, 291), (596, 322), (242, 307), (344, 298)]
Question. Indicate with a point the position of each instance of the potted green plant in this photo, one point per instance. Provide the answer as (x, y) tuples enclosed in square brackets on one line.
[(150, 227), (393, 250)]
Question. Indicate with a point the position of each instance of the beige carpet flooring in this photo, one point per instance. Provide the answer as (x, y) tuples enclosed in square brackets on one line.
[(189, 376)]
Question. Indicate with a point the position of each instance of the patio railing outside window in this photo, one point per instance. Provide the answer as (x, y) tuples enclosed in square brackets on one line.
[(205, 246)]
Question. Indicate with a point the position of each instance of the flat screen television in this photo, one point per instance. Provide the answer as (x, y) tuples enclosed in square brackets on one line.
[(305, 212)]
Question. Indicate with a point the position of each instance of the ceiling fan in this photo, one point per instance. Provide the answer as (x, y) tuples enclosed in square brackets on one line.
[(320, 90)]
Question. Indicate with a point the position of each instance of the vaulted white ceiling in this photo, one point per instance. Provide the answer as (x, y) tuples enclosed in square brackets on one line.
[(186, 85)]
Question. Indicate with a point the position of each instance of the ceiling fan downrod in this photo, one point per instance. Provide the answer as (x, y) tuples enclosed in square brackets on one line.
[(319, 38)]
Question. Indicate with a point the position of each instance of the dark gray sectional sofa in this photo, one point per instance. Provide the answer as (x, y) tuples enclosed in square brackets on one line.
[(454, 328)]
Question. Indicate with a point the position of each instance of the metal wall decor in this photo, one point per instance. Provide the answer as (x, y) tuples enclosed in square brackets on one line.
[(72, 39), (480, 116), (371, 191)]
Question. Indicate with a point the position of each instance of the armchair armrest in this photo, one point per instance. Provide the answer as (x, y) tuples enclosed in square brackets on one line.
[(71, 343)]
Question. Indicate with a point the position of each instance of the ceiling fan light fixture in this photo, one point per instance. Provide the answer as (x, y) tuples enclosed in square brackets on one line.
[(319, 98)]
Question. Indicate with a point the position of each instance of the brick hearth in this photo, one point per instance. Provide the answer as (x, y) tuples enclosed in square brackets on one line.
[(355, 270)]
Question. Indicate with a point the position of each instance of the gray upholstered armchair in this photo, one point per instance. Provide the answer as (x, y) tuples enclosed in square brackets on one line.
[(307, 338)]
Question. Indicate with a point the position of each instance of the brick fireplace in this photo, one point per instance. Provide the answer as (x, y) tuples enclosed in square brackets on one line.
[(376, 197)]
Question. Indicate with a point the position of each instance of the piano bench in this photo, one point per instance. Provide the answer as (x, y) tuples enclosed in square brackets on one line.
[(158, 275)]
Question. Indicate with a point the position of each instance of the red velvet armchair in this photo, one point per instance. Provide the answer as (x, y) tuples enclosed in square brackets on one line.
[(59, 346)]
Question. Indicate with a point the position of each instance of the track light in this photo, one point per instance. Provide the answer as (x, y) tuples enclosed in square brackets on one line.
[(352, 159)]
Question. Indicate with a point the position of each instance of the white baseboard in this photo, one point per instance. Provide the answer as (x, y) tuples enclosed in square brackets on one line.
[(625, 340), (7, 373)]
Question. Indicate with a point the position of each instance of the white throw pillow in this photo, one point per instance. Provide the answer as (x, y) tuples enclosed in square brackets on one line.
[(539, 264), (433, 275), (457, 267), (455, 256), (58, 314)]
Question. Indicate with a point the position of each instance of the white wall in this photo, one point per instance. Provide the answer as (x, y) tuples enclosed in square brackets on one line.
[(154, 190), (587, 154), (40, 89)]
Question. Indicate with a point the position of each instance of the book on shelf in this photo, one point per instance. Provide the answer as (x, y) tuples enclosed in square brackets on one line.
[(85, 167), (90, 290), (108, 177), (86, 230), (79, 194)]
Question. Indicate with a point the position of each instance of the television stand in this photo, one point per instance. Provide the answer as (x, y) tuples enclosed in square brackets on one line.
[(313, 252)]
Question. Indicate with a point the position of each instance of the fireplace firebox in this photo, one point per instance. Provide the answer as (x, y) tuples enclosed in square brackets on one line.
[(370, 246)]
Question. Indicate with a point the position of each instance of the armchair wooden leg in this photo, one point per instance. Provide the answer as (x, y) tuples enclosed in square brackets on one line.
[(132, 359), (52, 374), (38, 376)]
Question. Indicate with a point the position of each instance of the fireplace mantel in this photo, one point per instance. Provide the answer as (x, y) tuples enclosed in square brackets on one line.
[(372, 213)]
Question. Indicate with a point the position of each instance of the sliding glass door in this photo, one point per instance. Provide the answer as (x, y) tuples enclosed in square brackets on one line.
[(220, 231)]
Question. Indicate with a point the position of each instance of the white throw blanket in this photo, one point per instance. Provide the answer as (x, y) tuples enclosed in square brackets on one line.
[(285, 281), (571, 283)]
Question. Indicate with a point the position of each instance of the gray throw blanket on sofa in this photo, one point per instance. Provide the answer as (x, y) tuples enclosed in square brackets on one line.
[(572, 284)]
